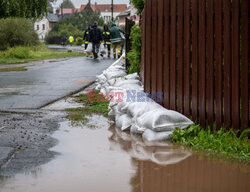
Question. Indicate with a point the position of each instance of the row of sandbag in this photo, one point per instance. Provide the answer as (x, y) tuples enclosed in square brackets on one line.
[(134, 110)]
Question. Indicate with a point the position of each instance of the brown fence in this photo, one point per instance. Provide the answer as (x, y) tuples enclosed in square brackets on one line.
[(196, 52)]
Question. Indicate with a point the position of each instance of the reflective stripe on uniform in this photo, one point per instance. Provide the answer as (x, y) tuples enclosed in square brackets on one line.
[(86, 42), (108, 43), (108, 33)]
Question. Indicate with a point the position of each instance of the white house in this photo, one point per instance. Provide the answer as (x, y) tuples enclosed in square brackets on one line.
[(43, 26)]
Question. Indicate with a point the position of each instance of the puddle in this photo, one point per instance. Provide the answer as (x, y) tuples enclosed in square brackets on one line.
[(103, 159)]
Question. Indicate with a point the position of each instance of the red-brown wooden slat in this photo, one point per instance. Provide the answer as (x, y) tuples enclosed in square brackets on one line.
[(235, 65), (202, 63), (187, 62), (142, 64), (244, 64), (195, 59), (227, 63), (218, 62), (148, 42), (154, 49), (160, 52), (180, 53), (173, 56), (166, 54), (210, 63)]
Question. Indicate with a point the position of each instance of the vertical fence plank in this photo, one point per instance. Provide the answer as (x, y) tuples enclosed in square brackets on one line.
[(227, 63), (235, 64), (148, 42), (154, 49), (202, 63), (160, 52), (218, 62), (142, 64), (210, 62), (166, 54), (173, 56), (195, 59), (244, 64), (180, 56), (187, 57)]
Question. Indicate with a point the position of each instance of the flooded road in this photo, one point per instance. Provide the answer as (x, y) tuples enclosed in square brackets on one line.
[(103, 159)]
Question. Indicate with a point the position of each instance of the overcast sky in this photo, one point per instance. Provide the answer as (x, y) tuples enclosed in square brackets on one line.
[(78, 3)]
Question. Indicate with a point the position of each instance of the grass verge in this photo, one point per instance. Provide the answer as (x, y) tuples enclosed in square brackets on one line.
[(13, 69), (223, 143), (79, 116), (26, 54)]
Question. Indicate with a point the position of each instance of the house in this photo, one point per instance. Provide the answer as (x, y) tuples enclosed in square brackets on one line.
[(43, 26), (130, 13), (103, 9)]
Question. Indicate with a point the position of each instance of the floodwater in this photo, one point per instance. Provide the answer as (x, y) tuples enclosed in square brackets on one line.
[(103, 159)]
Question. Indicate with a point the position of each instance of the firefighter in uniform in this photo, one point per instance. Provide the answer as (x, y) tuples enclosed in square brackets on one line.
[(86, 39), (106, 38)]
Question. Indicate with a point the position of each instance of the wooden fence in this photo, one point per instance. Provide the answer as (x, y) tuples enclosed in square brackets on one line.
[(196, 52)]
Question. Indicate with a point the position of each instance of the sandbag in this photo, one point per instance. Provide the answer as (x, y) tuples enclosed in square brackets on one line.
[(89, 48), (150, 135), (137, 130), (163, 120), (123, 121), (102, 49)]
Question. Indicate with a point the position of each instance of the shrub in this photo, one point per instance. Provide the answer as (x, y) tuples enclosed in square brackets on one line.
[(16, 32), (17, 52), (134, 56), (139, 5), (79, 41), (53, 38)]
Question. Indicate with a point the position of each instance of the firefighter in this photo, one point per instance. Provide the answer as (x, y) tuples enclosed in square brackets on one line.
[(116, 38), (86, 39), (106, 38), (71, 40)]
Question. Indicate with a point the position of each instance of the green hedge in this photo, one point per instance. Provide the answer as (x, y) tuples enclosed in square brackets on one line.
[(134, 56), (16, 32)]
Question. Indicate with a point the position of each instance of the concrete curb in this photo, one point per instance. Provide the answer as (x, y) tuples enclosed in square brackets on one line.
[(5, 154)]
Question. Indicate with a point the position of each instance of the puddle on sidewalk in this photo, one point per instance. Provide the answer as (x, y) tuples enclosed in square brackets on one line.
[(103, 159)]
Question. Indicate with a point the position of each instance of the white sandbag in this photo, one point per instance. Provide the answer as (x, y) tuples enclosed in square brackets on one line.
[(124, 122), (101, 78), (89, 48), (132, 76), (114, 74), (137, 130), (163, 120), (102, 49), (137, 109), (150, 135)]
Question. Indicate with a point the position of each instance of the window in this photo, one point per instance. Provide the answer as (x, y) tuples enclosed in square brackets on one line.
[(43, 26), (37, 27)]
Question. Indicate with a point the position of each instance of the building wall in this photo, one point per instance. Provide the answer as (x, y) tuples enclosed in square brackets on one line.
[(42, 28), (107, 16)]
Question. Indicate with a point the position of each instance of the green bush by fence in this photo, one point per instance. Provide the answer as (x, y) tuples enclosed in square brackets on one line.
[(16, 32), (134, 56)]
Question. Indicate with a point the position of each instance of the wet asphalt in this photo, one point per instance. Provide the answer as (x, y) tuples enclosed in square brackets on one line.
[(26, 129), (43, 84)]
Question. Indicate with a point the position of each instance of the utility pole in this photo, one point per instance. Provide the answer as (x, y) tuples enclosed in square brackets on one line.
[(112, 10)]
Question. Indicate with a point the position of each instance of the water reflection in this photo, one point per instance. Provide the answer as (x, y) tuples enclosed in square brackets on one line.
[(161, 153)]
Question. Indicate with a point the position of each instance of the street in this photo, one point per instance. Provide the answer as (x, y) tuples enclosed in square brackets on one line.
[(45, 83)]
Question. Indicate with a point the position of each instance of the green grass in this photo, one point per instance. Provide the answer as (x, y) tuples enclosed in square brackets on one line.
[(79, 116), (13, 69), (223, 143), (26, 54)]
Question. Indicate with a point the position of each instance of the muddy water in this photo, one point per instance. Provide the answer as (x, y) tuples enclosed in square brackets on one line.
[(103, 159)]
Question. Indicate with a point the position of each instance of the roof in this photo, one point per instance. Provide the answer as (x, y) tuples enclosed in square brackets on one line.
[(53, 18), (107, 7), (67, 10), (125, 13)]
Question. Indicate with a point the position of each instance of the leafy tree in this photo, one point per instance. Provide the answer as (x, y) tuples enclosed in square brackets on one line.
[(67, 4), (81, 20), (49, 5), (23, 8), (139, 5)]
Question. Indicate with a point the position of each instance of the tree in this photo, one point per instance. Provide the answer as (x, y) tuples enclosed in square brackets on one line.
[(139, 5), (23, 8), (67, 4), (49, 5)]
